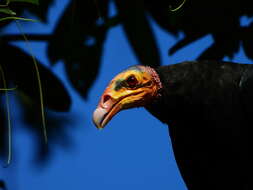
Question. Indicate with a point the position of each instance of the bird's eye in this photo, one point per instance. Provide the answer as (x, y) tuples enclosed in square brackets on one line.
[(131, 81)]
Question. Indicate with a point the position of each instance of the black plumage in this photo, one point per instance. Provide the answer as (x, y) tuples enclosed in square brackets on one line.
[(208, 107)]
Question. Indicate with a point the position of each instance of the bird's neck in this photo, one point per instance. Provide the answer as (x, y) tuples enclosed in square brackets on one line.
[(174, 94)]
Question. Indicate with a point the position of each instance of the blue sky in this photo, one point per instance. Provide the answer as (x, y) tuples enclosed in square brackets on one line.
[(133, 152)]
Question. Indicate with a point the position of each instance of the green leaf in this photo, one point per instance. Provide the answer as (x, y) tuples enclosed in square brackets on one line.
[(6, 10), (16, 18), (36, 2)]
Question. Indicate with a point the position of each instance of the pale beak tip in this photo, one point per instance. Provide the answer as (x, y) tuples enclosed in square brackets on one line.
[(98, 117)]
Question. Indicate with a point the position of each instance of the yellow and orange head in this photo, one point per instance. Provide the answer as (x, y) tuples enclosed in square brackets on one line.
[(131, 88)]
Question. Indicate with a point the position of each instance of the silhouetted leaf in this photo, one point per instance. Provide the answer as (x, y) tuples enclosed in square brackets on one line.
[(247, 41), (138, 31), (78, 41), (160, 12), (212, 53), (41, 10), (19, 68), (225, 44), (2, 185)]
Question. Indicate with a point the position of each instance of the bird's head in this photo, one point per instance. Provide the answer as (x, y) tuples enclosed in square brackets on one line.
[(134, 87)]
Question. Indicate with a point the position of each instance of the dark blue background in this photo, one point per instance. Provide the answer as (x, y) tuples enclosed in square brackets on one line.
[(133, 152)]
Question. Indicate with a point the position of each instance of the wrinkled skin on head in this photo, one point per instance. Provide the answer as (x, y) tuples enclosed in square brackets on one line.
[(131, 88)]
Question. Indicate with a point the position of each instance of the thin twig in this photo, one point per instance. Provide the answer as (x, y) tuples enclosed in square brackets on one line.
[(8, 119), (17, 18), (39, 81), (177, 8)]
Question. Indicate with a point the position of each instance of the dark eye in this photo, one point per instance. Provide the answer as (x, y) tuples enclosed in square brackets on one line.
[(131, 81)]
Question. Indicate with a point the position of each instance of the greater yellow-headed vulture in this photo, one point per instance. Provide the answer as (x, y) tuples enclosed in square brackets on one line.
[(208, 107)]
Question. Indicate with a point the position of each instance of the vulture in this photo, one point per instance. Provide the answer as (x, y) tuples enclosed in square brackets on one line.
[(207, 106)]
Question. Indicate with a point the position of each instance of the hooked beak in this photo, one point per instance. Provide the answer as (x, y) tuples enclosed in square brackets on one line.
[(110, 105), (105, 110)]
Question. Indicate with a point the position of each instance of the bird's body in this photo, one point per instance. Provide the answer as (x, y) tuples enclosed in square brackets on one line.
[(209, 118), (208, 108)]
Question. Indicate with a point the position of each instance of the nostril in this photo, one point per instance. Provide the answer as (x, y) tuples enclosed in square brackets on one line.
[(106, 98)]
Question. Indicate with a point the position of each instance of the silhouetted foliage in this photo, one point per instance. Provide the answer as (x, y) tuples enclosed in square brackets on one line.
[(80, 33), (2, 185), (138, 31), (78, 40)]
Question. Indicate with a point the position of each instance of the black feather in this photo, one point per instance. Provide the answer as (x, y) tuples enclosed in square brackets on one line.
[(207, 105)]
